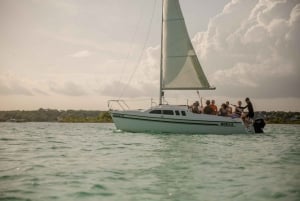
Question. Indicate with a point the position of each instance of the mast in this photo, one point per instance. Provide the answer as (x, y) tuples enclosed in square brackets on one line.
[(161, 56)]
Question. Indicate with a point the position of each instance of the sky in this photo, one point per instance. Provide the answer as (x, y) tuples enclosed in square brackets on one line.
[(75, 54)]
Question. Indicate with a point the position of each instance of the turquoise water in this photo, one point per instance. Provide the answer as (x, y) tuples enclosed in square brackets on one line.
[(56, 161)]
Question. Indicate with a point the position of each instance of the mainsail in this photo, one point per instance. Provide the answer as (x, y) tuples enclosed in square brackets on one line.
[(180, 66)]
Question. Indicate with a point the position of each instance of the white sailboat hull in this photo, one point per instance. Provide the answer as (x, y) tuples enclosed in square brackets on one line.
[(145, 122)]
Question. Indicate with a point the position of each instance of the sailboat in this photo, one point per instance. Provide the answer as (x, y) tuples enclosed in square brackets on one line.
[(180, 69)]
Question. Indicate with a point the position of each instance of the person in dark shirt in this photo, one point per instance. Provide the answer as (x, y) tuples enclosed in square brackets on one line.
[(249, 106), (207, 109)]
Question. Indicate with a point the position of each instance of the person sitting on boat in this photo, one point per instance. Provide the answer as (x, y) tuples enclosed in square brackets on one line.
[(223, 110), (228, 108), (207, 109), (214, 107), (238, 110), (195, 107)]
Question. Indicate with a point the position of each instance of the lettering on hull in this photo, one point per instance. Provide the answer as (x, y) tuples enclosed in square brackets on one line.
[(227, 124)]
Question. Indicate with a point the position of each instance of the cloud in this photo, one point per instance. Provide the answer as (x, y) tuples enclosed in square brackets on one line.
[(122, 90), (116, 89), (149, 66), (14, 89), (39, 91), (251, 49), (81, 54), (142, 80), (68, 88), (11, 85)]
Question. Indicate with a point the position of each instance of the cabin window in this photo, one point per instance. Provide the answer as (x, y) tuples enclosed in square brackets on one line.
[(177, 112), (168, 112), (155, 112), (183, 113)]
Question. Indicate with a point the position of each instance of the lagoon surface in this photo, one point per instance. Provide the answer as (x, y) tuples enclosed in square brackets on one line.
[(57, 161)]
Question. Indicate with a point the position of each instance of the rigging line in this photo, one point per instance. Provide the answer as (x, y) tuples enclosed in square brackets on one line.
[(142, 52), (130, 49)]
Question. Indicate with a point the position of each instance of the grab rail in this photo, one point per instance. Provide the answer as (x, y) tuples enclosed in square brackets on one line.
[(123, 105)]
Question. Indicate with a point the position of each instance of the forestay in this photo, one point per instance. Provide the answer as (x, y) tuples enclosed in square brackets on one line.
[(180, 65)]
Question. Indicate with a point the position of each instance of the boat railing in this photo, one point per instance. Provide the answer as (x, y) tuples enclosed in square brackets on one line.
[(121, 103), (153, 103)]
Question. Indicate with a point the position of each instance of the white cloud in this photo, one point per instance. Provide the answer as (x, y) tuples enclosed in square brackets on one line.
[(81, 54), (12, 85), (251, 49), (148, 69), (68, 88), (125, 90), (16, 84), (117, 89), (140, 80)]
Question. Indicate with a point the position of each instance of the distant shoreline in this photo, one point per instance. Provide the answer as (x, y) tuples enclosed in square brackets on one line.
[(95, 116), (53, 115)]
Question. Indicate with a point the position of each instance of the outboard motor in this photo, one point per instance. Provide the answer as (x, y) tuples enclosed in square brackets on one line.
[(259, 123)]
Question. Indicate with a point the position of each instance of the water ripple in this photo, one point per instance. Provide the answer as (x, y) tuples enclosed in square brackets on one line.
[(51, 161)]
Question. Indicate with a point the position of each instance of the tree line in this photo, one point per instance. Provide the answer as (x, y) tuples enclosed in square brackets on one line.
[(53, 115), (87, 116), (281, 117)]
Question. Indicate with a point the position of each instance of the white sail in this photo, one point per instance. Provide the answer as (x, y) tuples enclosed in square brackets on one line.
[(180, 65)]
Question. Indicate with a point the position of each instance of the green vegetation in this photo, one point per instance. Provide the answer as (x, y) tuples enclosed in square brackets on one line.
[(280, 117), (84, 116), (51, 115)]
